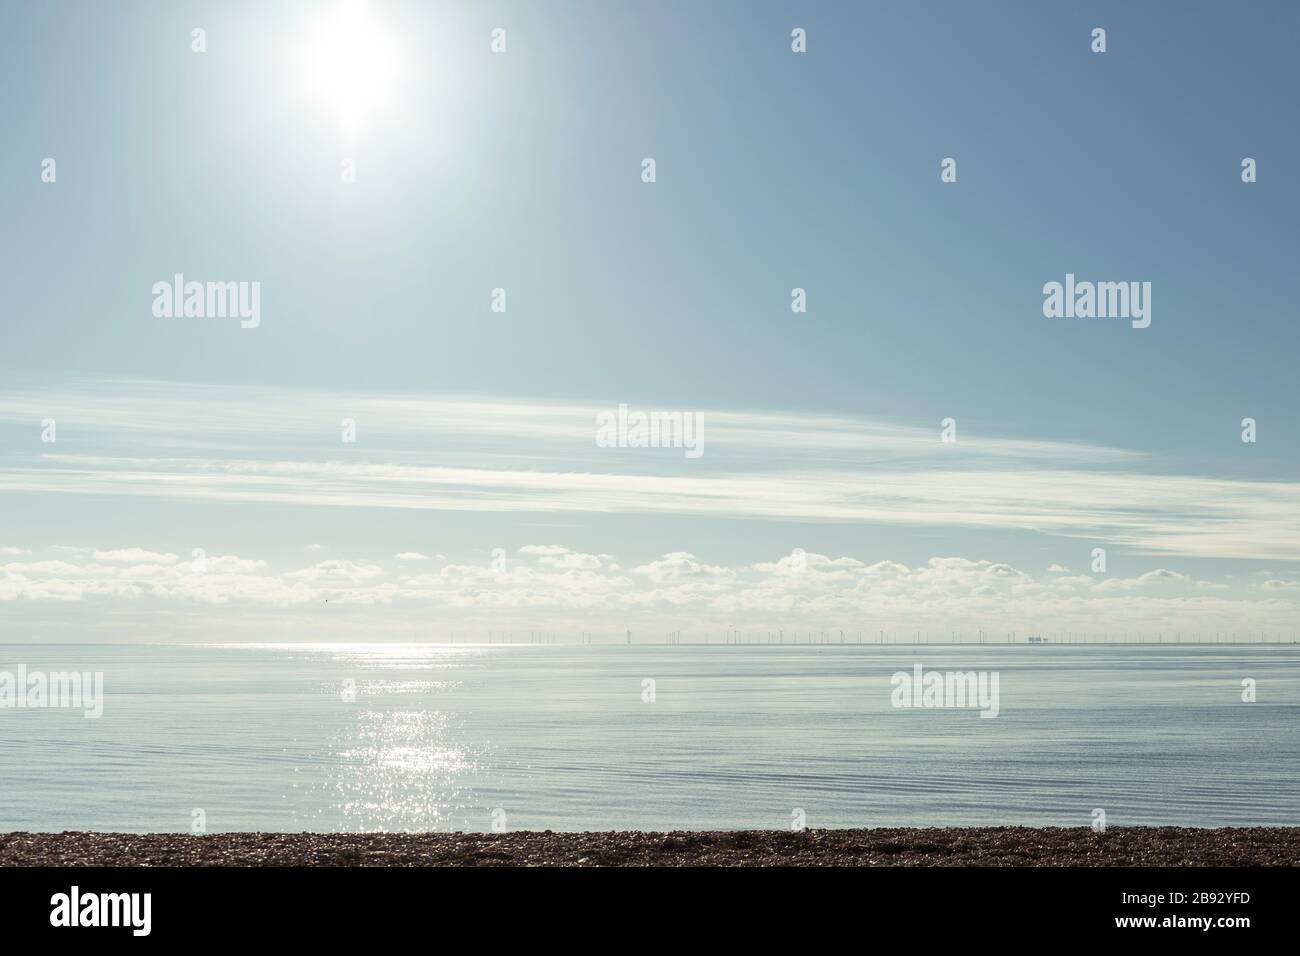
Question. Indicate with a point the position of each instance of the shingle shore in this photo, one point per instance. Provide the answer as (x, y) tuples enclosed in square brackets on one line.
[(940, 846)]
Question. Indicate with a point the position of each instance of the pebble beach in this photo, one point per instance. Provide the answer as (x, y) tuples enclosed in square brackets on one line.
[(937, 846)]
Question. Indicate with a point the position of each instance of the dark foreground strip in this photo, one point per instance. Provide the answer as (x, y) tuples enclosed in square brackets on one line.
[(927, 846), (603, 908)]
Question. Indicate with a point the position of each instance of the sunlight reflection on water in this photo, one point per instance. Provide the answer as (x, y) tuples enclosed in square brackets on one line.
[(435, 737)]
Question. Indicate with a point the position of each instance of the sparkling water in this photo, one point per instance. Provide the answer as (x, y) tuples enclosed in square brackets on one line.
[(436, 737)]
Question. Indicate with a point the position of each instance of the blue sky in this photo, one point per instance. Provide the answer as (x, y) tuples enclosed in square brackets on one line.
[(521, 170)]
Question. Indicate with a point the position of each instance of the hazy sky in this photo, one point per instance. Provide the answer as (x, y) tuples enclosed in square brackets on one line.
[(825, 497)]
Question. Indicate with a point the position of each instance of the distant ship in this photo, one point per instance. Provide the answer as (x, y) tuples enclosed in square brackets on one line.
[(1035, 639)]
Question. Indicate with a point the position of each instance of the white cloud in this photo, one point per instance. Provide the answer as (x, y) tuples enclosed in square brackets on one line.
[(230, 564), (135, 555), (558, 556), (680, 566), (1159, 514), (412, 556), (1160, 576), (678, 589), (571, 561), (811, 468), (337, 572)]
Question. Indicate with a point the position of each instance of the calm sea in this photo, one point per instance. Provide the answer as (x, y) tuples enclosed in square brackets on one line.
[(431, 737)]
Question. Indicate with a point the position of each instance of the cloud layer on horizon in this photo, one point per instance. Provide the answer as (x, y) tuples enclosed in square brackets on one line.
[(562, 588)]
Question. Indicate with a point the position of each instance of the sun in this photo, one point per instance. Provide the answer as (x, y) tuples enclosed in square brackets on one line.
[(347, 63)]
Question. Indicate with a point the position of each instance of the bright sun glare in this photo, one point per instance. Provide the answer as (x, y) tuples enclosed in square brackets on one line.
[(348, 64)]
